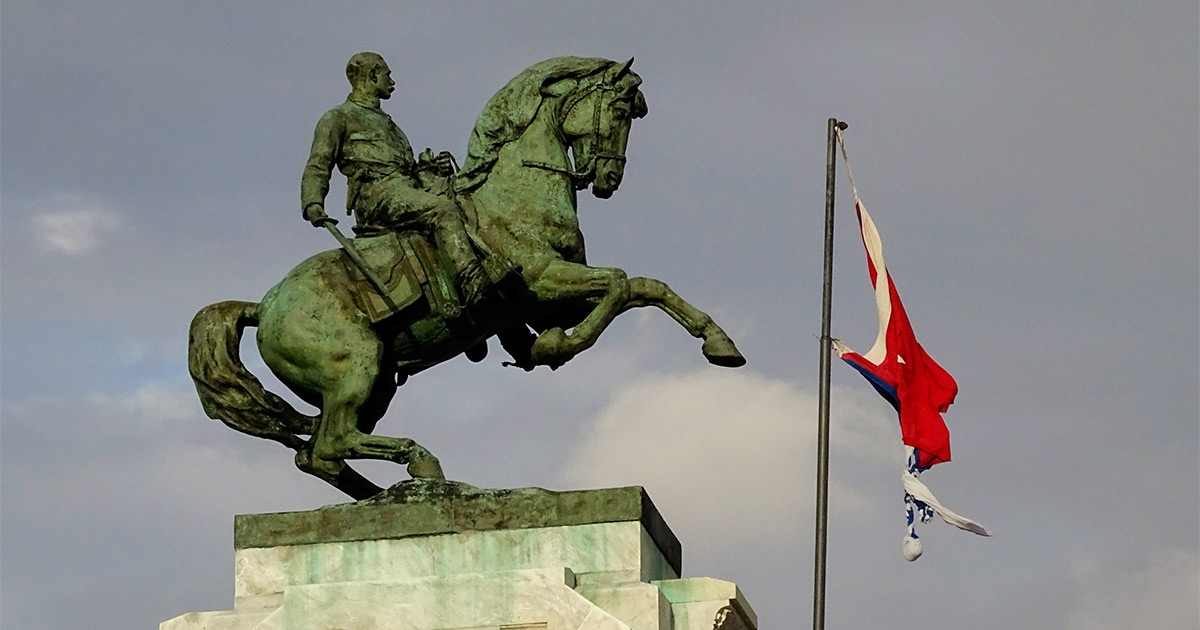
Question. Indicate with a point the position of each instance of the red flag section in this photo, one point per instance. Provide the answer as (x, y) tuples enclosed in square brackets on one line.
[(898, 366)]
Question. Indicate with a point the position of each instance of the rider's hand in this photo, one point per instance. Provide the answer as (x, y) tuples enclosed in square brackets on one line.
[(444, 163), (315, 214)]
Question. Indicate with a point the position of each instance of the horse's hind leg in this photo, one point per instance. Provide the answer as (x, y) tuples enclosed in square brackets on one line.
[(355, 402), (718, 348)]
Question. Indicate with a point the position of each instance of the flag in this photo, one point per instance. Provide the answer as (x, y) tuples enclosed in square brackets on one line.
[(898, 367), (920, 390)]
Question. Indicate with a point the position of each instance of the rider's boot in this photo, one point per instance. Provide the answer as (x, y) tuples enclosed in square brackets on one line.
[(477, 279), (503, 275), (474, 284), (495, 276)]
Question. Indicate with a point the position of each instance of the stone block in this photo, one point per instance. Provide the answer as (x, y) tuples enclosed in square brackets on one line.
[(639, 605), (708, 604)]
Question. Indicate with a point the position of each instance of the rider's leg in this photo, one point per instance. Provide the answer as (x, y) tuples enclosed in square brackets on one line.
[(409, 208), (476, 277), (450, 232), (442, 219)]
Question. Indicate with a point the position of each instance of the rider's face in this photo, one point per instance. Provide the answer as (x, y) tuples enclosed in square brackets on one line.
[(383, 84)]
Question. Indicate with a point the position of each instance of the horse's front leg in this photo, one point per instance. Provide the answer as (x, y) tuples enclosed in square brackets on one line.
[(561, 281), (718, 348)]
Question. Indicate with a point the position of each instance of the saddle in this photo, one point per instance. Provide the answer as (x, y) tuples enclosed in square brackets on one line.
[(411, 270)]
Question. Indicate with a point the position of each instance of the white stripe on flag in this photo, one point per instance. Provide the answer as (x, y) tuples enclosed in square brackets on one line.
[(921, 492)]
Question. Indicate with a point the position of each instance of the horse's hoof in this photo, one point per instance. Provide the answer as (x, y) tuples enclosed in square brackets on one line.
[(550, 348), (324, 469), (719, 350), (426, 468)]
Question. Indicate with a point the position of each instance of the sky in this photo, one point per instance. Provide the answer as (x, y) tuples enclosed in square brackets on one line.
[(1032, 168)]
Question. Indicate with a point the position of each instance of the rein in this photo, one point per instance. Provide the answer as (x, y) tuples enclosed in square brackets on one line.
[(582, 177)]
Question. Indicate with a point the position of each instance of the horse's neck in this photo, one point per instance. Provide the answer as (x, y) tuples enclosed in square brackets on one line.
[(527, 212), (514, 184)]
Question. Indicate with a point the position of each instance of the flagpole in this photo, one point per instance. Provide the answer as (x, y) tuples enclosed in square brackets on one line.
[(823, 395)]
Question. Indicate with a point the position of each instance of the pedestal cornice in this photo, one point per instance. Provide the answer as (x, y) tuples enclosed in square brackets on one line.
[(412, 509)]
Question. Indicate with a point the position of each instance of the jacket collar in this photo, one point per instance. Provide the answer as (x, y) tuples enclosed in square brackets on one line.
[(363, 101)]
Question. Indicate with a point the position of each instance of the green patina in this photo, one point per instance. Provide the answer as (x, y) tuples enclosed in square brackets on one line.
[(508, 261)]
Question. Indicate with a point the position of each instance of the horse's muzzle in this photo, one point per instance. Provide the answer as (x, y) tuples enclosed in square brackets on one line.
[(607, 180)]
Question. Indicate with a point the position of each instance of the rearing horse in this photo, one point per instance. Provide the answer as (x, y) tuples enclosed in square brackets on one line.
[(518, 187)]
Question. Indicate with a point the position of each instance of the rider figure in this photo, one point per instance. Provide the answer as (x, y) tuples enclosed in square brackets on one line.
[(383, 178)]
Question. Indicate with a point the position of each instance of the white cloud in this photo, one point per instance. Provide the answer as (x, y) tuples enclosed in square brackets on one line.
[(70, 223), (727, 456), (142, 408), (151, 404), (1162, 595)]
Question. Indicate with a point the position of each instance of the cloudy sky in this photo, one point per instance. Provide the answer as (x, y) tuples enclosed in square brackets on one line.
[(1032, 167)]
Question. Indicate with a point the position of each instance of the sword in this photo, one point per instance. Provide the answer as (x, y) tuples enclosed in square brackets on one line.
[(361, 263)]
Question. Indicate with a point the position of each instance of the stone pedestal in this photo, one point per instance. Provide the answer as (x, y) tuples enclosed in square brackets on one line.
[(445, 556)]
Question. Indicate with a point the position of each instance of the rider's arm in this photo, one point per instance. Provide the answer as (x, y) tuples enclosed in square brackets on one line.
[(326, 146)]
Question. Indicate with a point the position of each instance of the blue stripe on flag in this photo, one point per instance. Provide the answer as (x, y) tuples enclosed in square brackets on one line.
[(887, 391)]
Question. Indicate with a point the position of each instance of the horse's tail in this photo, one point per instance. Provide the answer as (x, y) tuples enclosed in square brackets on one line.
[(228, 391)]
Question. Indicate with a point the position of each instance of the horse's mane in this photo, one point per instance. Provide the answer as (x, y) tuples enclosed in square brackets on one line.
[(513, 108)]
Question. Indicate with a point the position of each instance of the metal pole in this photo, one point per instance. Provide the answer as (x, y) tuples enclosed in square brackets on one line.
[(823, 395)]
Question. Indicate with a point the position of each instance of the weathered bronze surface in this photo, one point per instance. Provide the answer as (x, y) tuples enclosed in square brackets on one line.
[(558, 127)]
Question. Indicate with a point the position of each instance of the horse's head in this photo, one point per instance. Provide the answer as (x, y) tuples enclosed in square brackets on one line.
[(596, 125), (591, 102)]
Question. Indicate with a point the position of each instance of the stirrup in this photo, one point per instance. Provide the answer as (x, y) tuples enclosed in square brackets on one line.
[(498, 268), (474, 284)]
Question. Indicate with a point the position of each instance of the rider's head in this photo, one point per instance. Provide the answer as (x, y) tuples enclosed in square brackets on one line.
[(369, 74)]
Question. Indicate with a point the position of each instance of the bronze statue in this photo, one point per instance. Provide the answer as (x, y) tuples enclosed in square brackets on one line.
[(558, 127)]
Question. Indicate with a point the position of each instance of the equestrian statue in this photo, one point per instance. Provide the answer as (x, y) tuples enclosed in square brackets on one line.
[(442, 260)]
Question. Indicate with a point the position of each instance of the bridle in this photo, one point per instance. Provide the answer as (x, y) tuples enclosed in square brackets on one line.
[(582, 177)]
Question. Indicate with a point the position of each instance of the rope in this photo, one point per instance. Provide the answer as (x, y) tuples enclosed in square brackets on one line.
[(846, 158)]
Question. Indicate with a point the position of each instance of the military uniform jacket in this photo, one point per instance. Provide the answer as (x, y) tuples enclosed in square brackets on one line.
[(364, 143)]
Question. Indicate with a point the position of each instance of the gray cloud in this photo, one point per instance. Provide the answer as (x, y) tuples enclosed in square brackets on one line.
[(1156, 593)]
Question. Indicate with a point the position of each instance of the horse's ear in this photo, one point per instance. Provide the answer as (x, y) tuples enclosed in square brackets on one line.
[(617, 72)]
